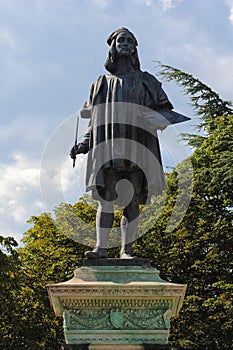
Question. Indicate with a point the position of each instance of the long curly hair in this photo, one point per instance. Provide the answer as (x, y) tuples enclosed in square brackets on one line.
[(111, 60)]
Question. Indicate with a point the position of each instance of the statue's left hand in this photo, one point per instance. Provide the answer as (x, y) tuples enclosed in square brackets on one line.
[(155, 120)]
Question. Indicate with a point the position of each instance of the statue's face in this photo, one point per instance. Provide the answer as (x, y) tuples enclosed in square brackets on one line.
[(125, 44)]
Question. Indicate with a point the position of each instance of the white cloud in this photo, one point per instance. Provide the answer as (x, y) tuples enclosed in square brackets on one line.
[(21, 190), (216, 70), (7, 38), (32, 183), (59, 182), (101, 3), (230, 3), (149, 2), (168, 4), (19, 195)]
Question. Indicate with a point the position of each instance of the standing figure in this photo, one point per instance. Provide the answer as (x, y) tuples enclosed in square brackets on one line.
[(118, 141)]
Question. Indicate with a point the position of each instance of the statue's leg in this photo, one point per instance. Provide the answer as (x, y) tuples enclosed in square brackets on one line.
[(104, 222), (130, 218), (104, 216), (129, 224)]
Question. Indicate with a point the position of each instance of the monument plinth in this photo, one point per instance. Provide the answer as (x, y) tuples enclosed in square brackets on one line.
[(111, 306)]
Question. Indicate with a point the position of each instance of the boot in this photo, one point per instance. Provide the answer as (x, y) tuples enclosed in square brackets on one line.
[(96, 253), (104, 220), (126, 252), (128, 231)]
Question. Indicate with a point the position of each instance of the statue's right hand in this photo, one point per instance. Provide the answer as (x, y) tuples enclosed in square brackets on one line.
[(78, 149)]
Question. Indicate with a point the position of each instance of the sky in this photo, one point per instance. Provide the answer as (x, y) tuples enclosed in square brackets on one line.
[(50, 53)]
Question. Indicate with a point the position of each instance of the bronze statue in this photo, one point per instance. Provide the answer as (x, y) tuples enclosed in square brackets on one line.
[(120, 107)]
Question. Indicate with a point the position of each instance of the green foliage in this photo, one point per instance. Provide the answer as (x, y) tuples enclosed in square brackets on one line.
[(76, 220), (78, 223), (8, 285), (212, 162), (48, 256), (198, 253), (206, 103), (48, 249)]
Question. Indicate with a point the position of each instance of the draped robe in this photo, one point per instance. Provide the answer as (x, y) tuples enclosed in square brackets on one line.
[(118, 136)]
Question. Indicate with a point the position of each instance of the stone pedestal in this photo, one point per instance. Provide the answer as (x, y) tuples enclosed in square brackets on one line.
[(75, 347), (116, 307), (115, 347)]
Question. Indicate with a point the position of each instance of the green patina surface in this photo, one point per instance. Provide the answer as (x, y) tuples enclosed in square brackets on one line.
[(116, 305), (118, 274)]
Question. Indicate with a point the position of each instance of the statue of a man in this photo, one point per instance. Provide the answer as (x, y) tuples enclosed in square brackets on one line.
[(117, 143)]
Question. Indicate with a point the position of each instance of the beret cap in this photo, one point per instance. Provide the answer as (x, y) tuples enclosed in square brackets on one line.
[(118, 31)]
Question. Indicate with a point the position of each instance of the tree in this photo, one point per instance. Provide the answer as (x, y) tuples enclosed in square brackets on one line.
[(9, 283), (206, 103), (48, 256)]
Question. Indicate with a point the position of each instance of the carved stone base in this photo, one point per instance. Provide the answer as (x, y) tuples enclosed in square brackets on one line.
[(157, 347), (116, 305), (130, 347), (116, 347), (117, 262), (75, 347)]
